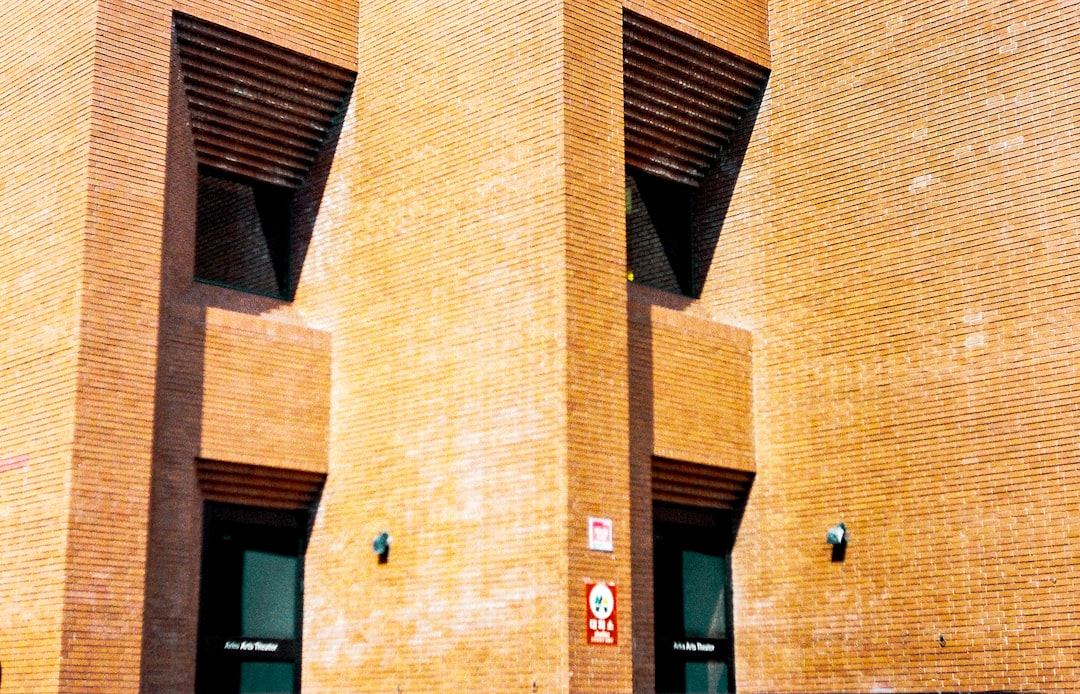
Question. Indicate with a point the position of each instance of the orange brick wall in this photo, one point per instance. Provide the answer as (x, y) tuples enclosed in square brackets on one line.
[(117, 357), (738, 26), (597, 377), (322, 29), (43, 189), (697, 380), (437, 264), (462, 360), (265, 392), (690, 389), (902, 244)]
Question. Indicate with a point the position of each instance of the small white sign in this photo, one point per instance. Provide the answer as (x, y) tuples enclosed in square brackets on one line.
[(601, 534)]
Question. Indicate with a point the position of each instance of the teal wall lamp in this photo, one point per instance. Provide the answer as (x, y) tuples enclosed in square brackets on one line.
[(837, 535), (381, 546)]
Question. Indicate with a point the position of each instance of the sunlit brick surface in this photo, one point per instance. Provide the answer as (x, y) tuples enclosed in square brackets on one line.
[(43, 184), (885, 337), (903, 246)]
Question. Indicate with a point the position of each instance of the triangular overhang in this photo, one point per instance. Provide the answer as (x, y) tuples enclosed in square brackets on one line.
[(682, 98), (258, 111)]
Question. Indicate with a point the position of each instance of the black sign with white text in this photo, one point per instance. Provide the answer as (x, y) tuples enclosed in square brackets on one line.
[(249, 648), (699, 649)]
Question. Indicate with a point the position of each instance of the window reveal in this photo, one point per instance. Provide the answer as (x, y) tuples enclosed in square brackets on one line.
[(244, 234), (683, 101), (260, 115)]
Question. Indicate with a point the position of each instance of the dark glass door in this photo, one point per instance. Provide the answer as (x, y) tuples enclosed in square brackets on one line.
[(250, 601), (692, 571)]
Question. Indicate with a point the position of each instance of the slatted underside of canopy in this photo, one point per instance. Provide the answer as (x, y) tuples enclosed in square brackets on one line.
[(690, 484), (682, 97), (257, 110), (257, 485)]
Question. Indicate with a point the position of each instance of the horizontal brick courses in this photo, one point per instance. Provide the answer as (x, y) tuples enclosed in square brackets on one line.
[(466, 363), (908, 292), (45, 86)]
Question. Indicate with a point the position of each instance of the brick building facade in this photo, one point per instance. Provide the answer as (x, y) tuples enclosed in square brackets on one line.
[(284, 275)]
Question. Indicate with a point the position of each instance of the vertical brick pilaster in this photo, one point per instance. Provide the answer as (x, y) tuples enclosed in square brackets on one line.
[(118, 315), (48, 56), (598, 471)]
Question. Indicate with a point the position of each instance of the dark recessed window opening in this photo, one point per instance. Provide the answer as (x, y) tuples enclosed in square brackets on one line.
[(684, 106), (264, 123), (693, 606), (659, 232), (250, 601), (243, 234)]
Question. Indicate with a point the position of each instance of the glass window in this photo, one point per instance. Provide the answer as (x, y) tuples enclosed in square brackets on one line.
[(267, 678), (250, 600), (243, 236), (268, 595)]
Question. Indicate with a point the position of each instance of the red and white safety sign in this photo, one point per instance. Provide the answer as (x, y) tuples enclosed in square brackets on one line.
[(602, 624)]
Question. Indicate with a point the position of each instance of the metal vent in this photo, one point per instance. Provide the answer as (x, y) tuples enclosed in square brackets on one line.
[(257, 110), (682, 99), (689, 484), (257, 485)]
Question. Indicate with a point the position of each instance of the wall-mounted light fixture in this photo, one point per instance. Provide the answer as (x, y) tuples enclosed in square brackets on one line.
[(837, 535), (381, 546)]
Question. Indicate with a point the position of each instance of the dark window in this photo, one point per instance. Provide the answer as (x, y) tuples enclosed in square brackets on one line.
[(264, 124), (692, 572), (685, 112), (659, 232), (250, 601), (243, 236)]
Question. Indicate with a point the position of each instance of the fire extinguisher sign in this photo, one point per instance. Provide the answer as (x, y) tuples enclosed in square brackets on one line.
[(601, 617)]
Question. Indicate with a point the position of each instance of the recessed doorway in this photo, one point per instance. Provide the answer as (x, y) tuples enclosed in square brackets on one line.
[(692, 599)]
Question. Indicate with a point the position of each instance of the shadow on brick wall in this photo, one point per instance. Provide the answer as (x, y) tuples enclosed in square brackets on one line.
[(713, 199)]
